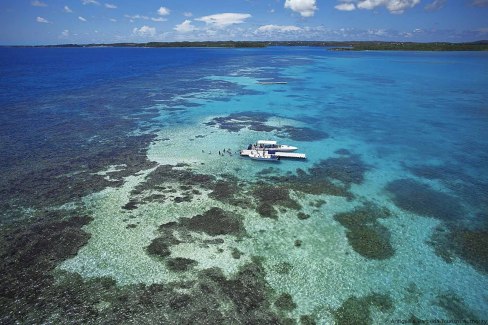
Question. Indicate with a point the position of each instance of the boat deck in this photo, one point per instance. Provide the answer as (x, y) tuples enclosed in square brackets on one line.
[(279, 154)]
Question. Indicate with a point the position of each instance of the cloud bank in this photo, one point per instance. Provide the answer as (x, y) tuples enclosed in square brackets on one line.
[(277, 28), (393, 6), (224, 19)]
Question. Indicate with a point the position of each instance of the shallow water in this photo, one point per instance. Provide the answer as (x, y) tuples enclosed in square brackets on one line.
[(89, 131)]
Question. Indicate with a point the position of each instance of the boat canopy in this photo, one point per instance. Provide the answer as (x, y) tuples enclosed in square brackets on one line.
[(266, 142)]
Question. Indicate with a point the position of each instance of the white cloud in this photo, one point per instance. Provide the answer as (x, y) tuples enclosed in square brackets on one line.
[(394, 6), (435, 5), (144, 31), (479, 3), (188, 14), (67, 9), (90, 2), (185, 27), (37, 3), (81, 18), (277, 28), (306, 8), (163, 11), (42, 20), (110, 6), (64, 34), (113, 20), (225, 19), (378, 32), (133, 17), (159, 19), (346, 6)]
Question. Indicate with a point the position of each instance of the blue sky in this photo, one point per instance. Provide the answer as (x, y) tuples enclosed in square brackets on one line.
[(32, 22)]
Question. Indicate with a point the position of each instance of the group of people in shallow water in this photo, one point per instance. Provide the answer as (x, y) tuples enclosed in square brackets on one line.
[(223, 152)]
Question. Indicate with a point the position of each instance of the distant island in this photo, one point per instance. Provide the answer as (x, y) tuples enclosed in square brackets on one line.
[(335, 46)]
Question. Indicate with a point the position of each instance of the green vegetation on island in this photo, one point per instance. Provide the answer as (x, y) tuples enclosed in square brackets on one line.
[(334, 46), (412, 46)]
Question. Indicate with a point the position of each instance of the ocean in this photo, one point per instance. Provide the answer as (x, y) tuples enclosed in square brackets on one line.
[(123, 197)]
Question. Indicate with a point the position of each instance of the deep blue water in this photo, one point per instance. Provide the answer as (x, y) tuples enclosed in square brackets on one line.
[(402, 131)]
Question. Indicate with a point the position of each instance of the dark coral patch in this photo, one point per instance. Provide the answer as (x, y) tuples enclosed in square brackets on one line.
[(318, 186), (303, 216), (321, 177), (469, 245), (236, 253), (47, 242), (419, 198), (223, 190), (365, 234), (471, 189), (247, 293), (28, 255), (157, 182), (131, 205), (317, 203), (226, 190), (180, 199), (454, 306), (215, 222), (180, 301), (472, 246), (180, 264), (358, 310), (285, 302), (159, 247), (342, 152), (266, 210), (256, 121), (301, 133), (237, 121), (348, 170), (307, 320), (275, 195)]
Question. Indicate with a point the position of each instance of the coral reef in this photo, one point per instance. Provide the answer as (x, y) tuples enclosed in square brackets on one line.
[(215, 222), (365, 234), (285, 302), (469, 245), (269, 196), (257, 121), (419, 198), (358, 310), (29, 254), (454, 306)]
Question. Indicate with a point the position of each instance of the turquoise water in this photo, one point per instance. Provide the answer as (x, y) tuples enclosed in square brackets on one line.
[(385, 220)]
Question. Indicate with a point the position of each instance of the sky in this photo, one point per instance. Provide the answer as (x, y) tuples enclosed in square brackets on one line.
[(39, 22)]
